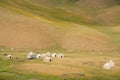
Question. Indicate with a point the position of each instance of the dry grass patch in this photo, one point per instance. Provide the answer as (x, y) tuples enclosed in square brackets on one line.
[(48, 69)]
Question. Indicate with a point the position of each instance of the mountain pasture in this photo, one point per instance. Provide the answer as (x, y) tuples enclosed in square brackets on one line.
[(87, 32), (75, 65)]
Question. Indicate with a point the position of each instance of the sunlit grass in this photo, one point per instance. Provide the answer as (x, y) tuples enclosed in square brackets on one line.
[(87, 63), (55, 14), (84, 62)]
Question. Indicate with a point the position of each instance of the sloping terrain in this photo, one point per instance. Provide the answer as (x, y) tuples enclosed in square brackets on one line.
[(25, 24), (82, 3), (109, 16), (77, 11), (103, 12), (19, 31), (97, 3)]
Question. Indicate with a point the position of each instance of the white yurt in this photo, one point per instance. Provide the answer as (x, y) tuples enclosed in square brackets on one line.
[(53, 55), (109, 65), (38, 56), (47, 53), (106, 66), (9, 57), (47, 59), (31, 55), (112, 63), (60, 55), (43, 55)]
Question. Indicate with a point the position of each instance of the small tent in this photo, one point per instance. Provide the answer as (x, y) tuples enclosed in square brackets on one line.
[(38, 56), (9, 56), (60, 55), (109, 65), (53, 55), (47, 59), (47, 53), (31, 55)]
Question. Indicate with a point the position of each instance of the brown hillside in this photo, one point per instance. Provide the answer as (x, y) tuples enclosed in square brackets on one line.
[(22, 32), (84, 38), (109, 16), (19, 31)]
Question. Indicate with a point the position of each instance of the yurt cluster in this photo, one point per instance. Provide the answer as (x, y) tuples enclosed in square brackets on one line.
[(47, 57)]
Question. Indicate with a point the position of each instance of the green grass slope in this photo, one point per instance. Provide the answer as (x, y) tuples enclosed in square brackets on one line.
[(96, 11), (77, 11), (82, 3), (97, 3), (55, 14)]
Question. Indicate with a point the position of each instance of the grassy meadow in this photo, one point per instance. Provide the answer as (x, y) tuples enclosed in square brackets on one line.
[(74, 66), (86, 32)]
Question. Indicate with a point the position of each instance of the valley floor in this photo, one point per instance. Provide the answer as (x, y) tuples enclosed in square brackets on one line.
[(74, 66)]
